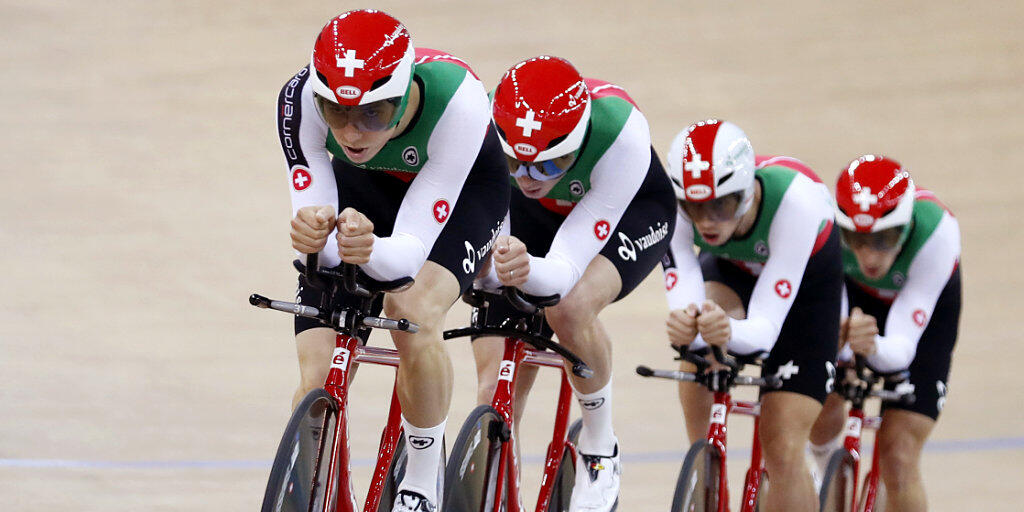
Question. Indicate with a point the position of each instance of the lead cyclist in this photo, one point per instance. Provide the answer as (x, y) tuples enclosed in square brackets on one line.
[(590, 217), (390, 156), (767, 281), (901, 259)]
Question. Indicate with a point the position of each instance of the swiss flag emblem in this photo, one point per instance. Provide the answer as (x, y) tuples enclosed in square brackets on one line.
[(602, 229), (920, 317), (301, 179), (783, 288), (671, 279), (441, 211)]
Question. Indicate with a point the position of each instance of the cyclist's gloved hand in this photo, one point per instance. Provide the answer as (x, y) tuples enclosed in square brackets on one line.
[(511, 261), (311, 227), (861, 332), (355, 237), (713, 324), (682, 325)]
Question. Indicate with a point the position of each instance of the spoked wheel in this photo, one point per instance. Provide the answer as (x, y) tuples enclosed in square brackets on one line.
[(697, 488), (472, 473), (839, 483), (561, 491), (298, 478)]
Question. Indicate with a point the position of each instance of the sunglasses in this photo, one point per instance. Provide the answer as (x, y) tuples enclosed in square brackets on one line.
[(372, 117), (885, 240), (719, 209), (541, 171)]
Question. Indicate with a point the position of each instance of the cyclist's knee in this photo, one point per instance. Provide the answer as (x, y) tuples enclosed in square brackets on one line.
[(899, 457), (423, 309), (575, 312), (785, 427)]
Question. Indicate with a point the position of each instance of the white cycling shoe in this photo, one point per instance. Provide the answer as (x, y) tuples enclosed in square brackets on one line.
[(411, 501), (597, 483)]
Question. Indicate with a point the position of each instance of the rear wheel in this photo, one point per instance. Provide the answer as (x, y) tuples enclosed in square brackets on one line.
[(565, 479), (298, 478), (396, 472), (697, 487), (472, 473), (839, 483)]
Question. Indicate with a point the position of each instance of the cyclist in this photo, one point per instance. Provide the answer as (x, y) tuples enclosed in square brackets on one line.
[(765, 283), (390, 154), (901, 257), (590, 217)]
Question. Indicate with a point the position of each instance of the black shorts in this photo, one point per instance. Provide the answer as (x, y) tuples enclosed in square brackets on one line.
[(929, 371), (805, 352), (474, 223), (636, 246)]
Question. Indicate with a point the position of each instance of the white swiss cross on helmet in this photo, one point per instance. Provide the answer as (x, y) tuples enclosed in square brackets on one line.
[(712, 159)]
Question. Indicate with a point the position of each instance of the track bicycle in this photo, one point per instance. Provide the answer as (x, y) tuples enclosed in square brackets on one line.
[(702, 485), (839, 485), (483, 468), (311, 471)]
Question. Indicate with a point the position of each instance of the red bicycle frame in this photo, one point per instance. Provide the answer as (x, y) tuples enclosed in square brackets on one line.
[(337, 385), (515, 355), (856, 422), (722, 407)]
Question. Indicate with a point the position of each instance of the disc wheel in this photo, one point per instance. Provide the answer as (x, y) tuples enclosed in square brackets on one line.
[(472, 473), (839, 483), (697, 487), (565, 478), (298, 477)]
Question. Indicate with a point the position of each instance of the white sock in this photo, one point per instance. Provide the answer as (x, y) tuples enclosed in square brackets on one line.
[(424, 448), (597, 436), (822, 452)]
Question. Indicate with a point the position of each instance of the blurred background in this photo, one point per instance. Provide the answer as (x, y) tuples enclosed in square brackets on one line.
[(143, 196)]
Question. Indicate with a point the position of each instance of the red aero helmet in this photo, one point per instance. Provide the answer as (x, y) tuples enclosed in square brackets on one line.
[(361, 57), (541, 108), (874, 193), (712, 159)]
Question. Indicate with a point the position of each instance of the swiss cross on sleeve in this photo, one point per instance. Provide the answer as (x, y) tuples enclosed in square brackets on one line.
[(865, 199), (441, 210), (350, 63), (301, 179), (602, 229), (783, 288), (528, 124)]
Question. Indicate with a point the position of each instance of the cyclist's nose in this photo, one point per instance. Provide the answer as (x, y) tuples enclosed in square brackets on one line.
[(348, 134)]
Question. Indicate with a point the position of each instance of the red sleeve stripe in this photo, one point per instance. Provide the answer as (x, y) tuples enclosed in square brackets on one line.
[(601, 89), (430, 55), (787, 161)]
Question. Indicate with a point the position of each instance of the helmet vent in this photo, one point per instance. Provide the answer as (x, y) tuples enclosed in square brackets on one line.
[(723, 178)]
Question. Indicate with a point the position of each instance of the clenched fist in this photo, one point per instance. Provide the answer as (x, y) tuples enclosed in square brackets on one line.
[(861, 329), (682, 326), (311, 227), (713, 324), (511, 261), (355, 237)]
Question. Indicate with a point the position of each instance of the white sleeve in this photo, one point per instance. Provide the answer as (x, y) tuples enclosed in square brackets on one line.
[(684, 280), (791, 238), (616, 178), (845, 353), (451, 151), (307, 151), (913, 306), (489, 281)]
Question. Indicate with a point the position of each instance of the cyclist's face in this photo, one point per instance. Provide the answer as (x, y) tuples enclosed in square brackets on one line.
[(360, 130), (715, 220), (875, 252)]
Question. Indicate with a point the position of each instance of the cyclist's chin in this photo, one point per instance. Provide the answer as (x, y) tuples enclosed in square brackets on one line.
[(360, 154), (535, 189)]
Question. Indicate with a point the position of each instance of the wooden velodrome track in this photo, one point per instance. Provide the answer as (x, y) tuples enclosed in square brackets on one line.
[(143, 197)]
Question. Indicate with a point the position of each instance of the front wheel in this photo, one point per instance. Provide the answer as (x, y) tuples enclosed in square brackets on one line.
[(396, 472), (298, 478), (839, 483), (472, 473), (697, 489), (565, 479)]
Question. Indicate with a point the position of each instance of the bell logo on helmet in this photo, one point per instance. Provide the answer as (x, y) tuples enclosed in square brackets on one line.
[(350, 63), (698, 192), (348, 92), (525, 149), (863, 220), (528, 124)]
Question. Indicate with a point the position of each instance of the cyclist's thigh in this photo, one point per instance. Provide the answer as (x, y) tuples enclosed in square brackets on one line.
[(642, 235), (805, 351), (475, 222), (929, 371), (314, 348)]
